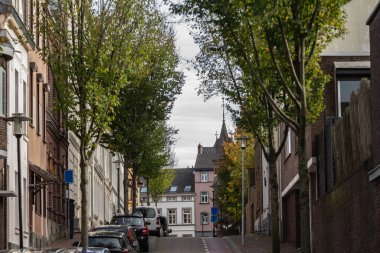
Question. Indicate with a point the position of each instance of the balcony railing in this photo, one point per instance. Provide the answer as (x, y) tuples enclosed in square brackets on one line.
[(7, 8)]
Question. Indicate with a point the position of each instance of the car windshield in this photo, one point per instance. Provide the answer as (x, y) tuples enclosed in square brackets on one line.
[(105, 242), (146, 212), (127, 220)]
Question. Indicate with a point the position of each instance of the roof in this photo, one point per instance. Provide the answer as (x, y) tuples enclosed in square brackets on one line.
[(205, 159), (373, 14), (183, 177)]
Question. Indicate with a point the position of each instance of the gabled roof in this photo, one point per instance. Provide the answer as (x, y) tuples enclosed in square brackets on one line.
[(183, 177), (205, 158)]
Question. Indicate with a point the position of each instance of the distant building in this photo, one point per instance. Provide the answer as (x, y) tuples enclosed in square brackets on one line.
[(204, 177), (177, 203)]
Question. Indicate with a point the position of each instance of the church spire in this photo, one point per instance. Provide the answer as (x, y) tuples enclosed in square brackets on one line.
[(223, 109)]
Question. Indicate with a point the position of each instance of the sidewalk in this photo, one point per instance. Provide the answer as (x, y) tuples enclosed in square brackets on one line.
[(256, 243), (65, 243)]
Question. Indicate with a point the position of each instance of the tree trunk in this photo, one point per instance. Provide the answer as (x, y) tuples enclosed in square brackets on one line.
[(303, 190), (134, 188), (126, 185), (302, 158), (83, 188), (274, 206)]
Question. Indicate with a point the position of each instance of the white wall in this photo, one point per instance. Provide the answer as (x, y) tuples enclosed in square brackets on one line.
[(356, 41)]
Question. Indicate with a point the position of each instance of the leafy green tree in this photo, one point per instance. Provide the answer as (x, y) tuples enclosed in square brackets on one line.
[(154, 83), (228, 186), (88, 47), (161, 183), (276, 44)]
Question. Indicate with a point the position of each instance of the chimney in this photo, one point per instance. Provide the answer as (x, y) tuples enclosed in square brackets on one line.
[(200, 149)]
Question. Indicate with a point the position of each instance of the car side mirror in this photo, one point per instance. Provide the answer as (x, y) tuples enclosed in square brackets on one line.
[(75, 244), (147, 223)]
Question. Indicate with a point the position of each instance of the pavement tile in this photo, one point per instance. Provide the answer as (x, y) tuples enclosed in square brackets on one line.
[(256, 243)]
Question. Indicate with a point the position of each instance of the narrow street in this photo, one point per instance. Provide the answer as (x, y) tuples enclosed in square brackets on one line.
[(190, 245)]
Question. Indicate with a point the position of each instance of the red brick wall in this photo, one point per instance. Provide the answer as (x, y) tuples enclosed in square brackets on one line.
[(290, 218), (345, 219)]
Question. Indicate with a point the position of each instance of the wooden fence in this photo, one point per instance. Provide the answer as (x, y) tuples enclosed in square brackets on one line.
[(352, 134)]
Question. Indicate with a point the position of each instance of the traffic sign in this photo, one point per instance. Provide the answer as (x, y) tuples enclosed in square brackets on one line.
[(69, 176), (214, 218), (214, 211)]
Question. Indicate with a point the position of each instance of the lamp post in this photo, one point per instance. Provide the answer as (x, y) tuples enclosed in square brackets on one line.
[(19, 129), (243, 140)]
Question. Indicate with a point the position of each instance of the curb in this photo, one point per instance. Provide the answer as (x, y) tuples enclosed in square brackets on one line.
[(231, 244)]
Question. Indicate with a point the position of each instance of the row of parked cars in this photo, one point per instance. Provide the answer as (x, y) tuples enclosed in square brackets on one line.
[(129, 233)]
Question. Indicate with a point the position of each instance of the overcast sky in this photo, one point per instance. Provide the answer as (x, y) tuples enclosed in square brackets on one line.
[(196, 120)]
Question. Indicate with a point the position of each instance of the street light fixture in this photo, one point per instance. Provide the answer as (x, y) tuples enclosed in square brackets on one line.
[(243, 140), (19, 129)]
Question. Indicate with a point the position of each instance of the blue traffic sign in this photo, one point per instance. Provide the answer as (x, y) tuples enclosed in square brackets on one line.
[(214, 218), (69, 176), (214, 211)]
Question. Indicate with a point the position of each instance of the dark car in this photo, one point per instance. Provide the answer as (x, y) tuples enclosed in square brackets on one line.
[(138, 223), (115, 241), (165, 225), (127, 229)]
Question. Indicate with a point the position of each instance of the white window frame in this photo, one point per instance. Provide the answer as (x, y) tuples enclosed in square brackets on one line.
[(204, 176), (186, 216), (172, 216), (171, 198), (187, 198), (204, 197), (3, 92)]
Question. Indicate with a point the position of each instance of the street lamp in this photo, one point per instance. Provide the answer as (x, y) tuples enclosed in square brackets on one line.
[(19, 129), (243, 140)]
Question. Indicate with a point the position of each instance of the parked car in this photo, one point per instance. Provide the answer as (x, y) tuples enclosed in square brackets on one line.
[(140, 226), (115, 241), (150, 214), (165, 225), (127, 229)]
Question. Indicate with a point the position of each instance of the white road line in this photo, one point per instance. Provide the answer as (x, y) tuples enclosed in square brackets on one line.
[(205, 245)]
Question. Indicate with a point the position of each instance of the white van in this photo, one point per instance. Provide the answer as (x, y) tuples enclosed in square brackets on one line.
[(150, 214)]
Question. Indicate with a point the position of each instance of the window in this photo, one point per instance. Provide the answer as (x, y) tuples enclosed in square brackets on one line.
[(31, 96), (186, 216), (3, 92), (173, 188), (187, 188), (204, 176), (16, 91), (172, 216), (288, 144), (204, 218), (172, 198), (38, 107), (187, 198), (144, 189), (204, 197), (24, 97), (345, 89), (348, 78)]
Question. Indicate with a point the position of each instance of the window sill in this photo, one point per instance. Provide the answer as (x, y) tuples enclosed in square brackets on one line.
[(204, 203)]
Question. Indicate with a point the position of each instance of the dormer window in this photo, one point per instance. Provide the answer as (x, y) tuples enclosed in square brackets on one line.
[(187, 188), (173, 188)]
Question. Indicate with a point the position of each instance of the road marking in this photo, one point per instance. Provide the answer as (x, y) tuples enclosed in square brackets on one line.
[(205, 244)]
